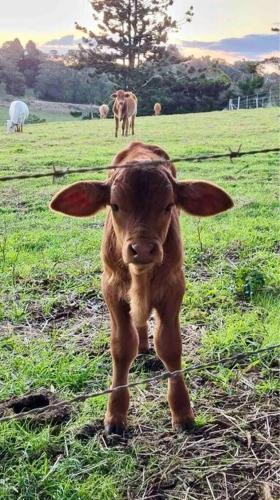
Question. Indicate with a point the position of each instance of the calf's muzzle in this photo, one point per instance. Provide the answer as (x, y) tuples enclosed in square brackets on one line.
[(142, 252)]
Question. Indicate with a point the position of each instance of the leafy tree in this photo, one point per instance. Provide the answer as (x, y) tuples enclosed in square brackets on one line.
[(127, 33), (29, 64), (56, 82), (180, 90), (11, 55), (250, 80), (12, 51)]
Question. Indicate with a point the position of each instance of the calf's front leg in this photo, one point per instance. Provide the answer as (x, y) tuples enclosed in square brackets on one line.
[(168, 346), (117, 126), (124, 348)]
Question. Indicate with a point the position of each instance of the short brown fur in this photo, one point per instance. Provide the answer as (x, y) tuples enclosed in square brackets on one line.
[(142, 259), (125, 111), (103, 111), (157, 108)]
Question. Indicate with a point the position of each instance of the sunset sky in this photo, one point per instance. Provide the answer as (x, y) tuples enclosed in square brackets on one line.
[(219, 27)]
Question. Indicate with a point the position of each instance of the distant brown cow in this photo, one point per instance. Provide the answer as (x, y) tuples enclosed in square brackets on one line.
[(125, 110), (157, 108), (142, 258), (103, 111)]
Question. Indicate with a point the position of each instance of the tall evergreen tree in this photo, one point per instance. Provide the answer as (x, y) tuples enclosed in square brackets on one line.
[(29, 64), (127, 32), (11, 56)]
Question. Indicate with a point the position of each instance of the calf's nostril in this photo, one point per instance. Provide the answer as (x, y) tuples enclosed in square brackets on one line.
[(152, 249), (134, 249)]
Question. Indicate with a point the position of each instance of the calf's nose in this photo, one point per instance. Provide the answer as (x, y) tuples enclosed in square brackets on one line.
[(142, 253)]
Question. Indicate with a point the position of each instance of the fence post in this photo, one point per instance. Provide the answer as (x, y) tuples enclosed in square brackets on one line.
[(270, 99), (238, 102), (257, 101), (247, 102)]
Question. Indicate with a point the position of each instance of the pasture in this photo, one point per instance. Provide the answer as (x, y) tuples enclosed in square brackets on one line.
[(54, 325)]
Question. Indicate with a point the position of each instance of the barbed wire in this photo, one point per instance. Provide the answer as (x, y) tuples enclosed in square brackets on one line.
[(163, 376), (61, 173)]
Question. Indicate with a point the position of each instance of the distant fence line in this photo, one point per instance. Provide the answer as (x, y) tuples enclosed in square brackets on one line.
[(61, 173), (259, 100)]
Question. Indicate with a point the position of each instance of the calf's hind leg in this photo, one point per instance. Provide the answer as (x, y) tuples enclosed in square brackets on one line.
[(124, 127), (124, 347), (132, 124), (143, 347)]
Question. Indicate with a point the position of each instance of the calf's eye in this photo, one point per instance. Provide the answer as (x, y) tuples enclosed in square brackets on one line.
[(114, 207), (168, 208)]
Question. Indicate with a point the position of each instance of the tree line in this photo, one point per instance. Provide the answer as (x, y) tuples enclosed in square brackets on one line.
[(128, 47)]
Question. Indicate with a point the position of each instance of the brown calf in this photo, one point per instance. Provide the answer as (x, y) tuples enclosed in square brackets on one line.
[(142, 263), (103, 111), (125, 110), (157, 108)]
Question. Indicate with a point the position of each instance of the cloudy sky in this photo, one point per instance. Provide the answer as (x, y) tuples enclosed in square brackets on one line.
[(226, 28)]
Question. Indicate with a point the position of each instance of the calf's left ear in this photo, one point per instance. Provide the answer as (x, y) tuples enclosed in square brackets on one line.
[(81, 199), (201, 198)]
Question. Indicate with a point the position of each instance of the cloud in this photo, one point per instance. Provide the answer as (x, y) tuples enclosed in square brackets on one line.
[(250, 46), (64, 40), (62, 44)]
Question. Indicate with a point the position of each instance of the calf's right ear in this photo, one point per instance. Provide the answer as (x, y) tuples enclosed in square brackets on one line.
[(114, 95), (81, 199)]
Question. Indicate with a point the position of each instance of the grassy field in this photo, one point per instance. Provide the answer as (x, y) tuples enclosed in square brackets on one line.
[(54, 325), (48, 116)]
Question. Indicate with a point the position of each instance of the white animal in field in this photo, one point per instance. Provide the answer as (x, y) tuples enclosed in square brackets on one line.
[(18, 114), (103, 110)]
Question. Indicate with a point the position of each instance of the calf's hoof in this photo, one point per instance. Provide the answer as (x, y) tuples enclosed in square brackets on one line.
[(183, 424), (114, 426)]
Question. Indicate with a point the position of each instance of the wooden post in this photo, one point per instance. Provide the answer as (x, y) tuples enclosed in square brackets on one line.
[(270, 99), (247, 102), (257, 101), (238, 102)]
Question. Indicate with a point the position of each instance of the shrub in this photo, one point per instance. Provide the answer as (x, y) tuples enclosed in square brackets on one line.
[(35, 119)]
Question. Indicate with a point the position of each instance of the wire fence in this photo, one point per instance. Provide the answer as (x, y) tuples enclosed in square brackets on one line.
[(162, 376), (258, 100), (56, 173)]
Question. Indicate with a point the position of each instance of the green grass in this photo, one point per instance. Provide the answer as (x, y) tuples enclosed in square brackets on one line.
[(48, 116), (54, 331)]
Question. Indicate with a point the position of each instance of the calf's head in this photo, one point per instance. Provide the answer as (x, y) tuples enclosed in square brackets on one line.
[(142, 201), (120, 96)]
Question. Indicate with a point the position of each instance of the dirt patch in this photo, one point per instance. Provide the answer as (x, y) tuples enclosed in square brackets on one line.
[(37, 400), (201, 273), (96, 430), (276, 248), (191, 338), (147, 362), (231, 457)]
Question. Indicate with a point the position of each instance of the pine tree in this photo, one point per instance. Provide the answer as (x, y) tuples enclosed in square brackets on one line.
[(127, 33)]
